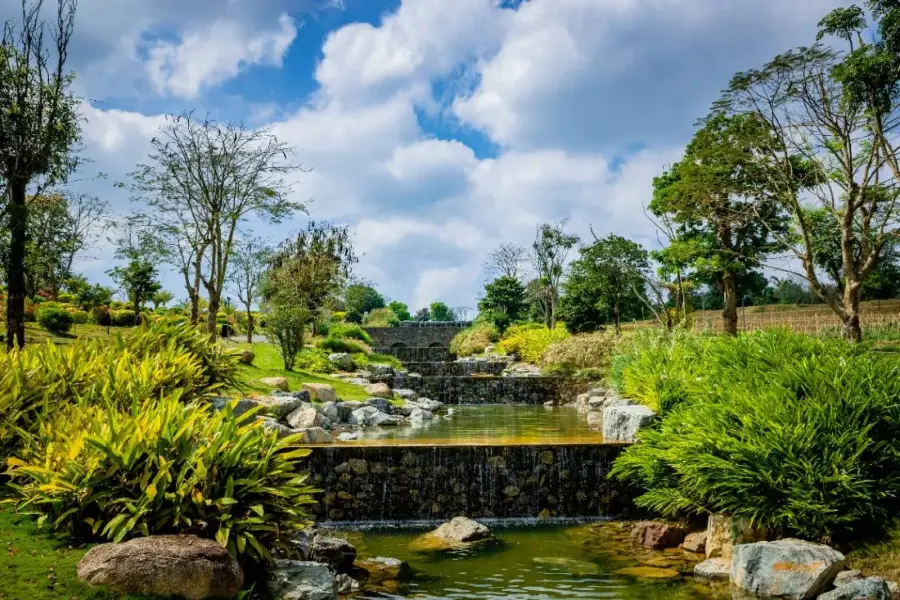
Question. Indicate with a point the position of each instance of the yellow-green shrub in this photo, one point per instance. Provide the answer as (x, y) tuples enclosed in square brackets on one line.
[(342, 345), (585, 351), (529, 342), (474, 339), (165, 467), (362, 360), (382, 317)]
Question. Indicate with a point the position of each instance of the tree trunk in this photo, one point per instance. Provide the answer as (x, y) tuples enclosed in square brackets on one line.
[(729, 311), (617, 319), (194, 293), (852, 327), (212, 314), (15, 267), (249, 326)]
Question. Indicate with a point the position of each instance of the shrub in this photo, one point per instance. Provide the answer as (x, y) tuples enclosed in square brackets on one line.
[(122, 318), (286, 326), (800, 435), (579, 353), (349, 331), (474, 339), (100, 315), (382, 317), (362, 361), (164, 467), (314, 360), (55, 319), (67, 298), (529, 342), (79, 317), (333, 344)]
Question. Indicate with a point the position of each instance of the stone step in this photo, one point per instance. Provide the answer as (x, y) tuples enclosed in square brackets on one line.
[(408, 354), (490, 389), (456, 369)]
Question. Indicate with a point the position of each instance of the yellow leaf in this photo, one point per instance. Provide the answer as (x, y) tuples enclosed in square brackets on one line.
[(151, 491)]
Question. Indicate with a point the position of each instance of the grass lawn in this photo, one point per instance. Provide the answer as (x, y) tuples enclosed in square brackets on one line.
[(35, 334), (268, 363)]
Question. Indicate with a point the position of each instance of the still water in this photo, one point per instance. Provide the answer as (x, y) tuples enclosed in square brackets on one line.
[(545, 562), (489, 425)]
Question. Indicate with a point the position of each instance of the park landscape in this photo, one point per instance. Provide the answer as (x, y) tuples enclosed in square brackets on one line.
[(714, 416)]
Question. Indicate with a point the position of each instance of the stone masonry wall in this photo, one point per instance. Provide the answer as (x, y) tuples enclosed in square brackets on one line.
[(456, 369), (407, 355), (390, 482), (414, 337), (488, 389)]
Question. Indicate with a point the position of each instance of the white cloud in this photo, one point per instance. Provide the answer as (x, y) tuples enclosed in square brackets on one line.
[(215, 54), (435, 284)]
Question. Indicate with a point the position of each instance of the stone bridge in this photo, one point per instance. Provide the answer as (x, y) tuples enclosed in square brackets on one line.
[(416, 335)]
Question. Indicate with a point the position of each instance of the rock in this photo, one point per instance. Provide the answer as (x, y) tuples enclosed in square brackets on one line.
[(241, 405), (382, 568), (657, 536), (431, 406), (339, 554), (895, 589), (420, 416), (279, 383), (616, 401), (359, 380), (307, 416), (316, 435), (333, 412), (621, 423), (320, 392), (380, 370), (871, 588), (713, 569), (724, 532), (278, 406), (406, 394), (346, 584), (347, 436), (247, 357), (381, 404), (358, 466), (382, 420), (270, 424), (595, 419), (695, 542), (596, 402), (341, 360), (788, 568), (522, 370), (351, 405), (163, 565), (649, 572), (848, 576), (379, 390), (462, 529), (301, 580), (364, 416)]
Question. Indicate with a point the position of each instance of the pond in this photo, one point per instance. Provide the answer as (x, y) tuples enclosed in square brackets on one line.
[(547, 562), (489, 425)]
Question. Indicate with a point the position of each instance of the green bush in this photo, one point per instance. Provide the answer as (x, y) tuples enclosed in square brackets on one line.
[(382, 317), (79, 317), (333, 344), (798, 434), (362, 361), (349, 331), (314, 360), (163, 467), (100, 315), (55, 320), (122, 318), (529, 342), (474, 339), (581, 353)]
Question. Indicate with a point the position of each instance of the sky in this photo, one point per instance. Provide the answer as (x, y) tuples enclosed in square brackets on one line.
[(435, 129)]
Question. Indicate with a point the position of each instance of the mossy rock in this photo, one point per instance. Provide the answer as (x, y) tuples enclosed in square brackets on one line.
[(648, 572)]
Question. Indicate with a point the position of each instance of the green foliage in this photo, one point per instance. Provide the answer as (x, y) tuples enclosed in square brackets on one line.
[(798, 434), (504, 302), (382, 317), (529, 342), (164, 467), (79, 317), (474, 339), (401, 310), (285, 325), (441, 312), (122, 318), (350, 346), (314, 360), (349, 331), (55, 319), (362, 361), (582, 353), (139, 280), (360, 299)]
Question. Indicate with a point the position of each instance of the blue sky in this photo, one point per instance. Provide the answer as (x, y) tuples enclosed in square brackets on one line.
[(437, 129)]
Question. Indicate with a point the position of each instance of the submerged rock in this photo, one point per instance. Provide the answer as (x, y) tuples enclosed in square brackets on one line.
[(382, 568), (347, 436), (656, 536), (301, 580), (713, 569), (789, 568), (459, 532), (621, 423), (339, 554), (649, 572), (595, 419), (871, 588), (163, 565)]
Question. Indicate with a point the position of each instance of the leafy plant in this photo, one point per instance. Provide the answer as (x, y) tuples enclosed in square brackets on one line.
[(350, 346), (314, 360), (286, 326), (474, 339), (529, 342), (383, 317), (579, 353), (166, 467), (362, 360), (55, 319), (349, 331)]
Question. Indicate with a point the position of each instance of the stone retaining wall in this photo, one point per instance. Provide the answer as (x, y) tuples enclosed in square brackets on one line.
[(489, 389), (455, 369), (388, 482), (415, 337), (408, 355)]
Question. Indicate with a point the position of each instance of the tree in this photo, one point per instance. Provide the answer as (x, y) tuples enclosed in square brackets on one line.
[(725, 227), (604, 284), (39, 127), (138, 279), (361, 299), (202, 180), (507, 260), (832, 119), (441, 312), (248, 267), (461, 313), (401, 310), (549, 253), (94, 296), (504, 301), (161, 298), (422, 315)]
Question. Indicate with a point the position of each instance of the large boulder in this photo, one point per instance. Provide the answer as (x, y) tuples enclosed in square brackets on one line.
[(406, 394), (595, 419), (621, 423), (428, 404), (657, 536), (241, 405), (380, 370), (789, 568), (379, 390), (341, 360), (320, 392), (337, 553), (315, 435), (382, 568), (871, 588), (713, 569), (364, 416), (382, 420), (417, 415), (724, 532), (247, 357), (381, 404), (279, 383), (301, 580), (459, 532), (278, 407), (307, 416), (163, 565), (333, 412), (695, 542), (270, 425)]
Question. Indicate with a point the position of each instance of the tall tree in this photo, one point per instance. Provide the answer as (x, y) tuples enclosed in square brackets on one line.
[(360, 299), (604, 284), (248, 267), (550, 252), (161, 298), (202, 180), (833, 122), (141, 251), (504, 301), (441, 312), (401, 310), (507, 260), (725, 226), (39, 127)]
